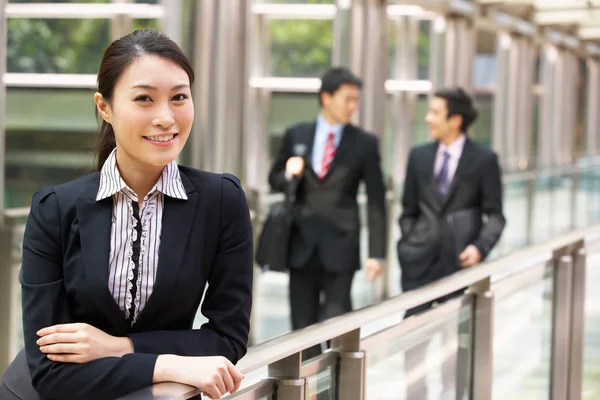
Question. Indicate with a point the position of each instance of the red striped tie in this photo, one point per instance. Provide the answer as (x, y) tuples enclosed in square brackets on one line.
[(327, 155)]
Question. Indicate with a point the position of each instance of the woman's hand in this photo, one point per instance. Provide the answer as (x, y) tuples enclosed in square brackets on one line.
[(214, 376), (81, 343)]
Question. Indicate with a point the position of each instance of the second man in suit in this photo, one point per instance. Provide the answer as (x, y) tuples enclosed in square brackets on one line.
[(451, 184), (329, 158)]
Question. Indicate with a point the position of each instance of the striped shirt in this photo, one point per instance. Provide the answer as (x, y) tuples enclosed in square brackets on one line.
[(135, 234)]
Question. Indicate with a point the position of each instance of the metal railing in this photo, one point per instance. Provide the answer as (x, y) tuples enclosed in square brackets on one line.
[(288, 373)]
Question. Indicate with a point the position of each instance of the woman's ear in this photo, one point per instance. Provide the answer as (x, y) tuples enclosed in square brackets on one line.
[(102, 106)]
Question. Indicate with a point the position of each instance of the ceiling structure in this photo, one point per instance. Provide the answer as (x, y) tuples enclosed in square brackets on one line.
[(580, 18)]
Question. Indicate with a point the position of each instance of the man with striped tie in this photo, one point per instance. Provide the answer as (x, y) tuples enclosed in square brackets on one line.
[(328, 159)]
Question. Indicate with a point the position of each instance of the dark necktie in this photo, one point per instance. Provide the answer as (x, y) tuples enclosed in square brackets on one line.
[(443, 182)]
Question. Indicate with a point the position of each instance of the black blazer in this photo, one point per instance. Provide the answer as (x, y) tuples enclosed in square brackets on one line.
[(206, 239), (326, 214), (427, 249)]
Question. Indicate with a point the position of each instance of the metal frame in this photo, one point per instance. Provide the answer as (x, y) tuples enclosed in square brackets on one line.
[(3, 47), (84, 10)]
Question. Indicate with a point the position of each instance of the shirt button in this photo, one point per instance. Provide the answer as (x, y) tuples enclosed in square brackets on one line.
[(135, 257)]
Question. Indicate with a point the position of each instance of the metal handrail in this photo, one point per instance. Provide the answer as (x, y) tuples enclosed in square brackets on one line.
[(279, 348)]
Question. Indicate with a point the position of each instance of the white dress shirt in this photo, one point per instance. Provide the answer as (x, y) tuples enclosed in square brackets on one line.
[(455, 150), (130, 257)]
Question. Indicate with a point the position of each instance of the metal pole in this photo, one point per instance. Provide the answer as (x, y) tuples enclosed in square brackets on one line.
[(483, 341), (577, 326), (290, 385), (205, 42), (120, 25), (3, 45), (561, 324), (8, 308), (258, 104), (593, 107), (374, 68), (503, 44), (342, 35), (171, 24), (352, 368)]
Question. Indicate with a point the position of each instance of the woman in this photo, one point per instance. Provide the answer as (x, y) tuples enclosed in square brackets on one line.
[(115, 263)]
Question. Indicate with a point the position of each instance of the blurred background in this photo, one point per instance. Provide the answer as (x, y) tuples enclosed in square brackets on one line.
[(533, 67)]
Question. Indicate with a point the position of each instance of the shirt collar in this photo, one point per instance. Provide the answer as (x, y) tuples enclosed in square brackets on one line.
[(169, 183), (455, 148), (324, 126)]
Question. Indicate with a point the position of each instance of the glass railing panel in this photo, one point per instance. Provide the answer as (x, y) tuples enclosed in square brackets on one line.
[(542, 210), (522, 335), (429, 362), (591, 363), (515, 211), (321, 386), (563, 202)]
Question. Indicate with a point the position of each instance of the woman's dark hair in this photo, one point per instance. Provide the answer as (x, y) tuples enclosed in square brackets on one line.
[(334, 78), (117, 57), (459, 103)]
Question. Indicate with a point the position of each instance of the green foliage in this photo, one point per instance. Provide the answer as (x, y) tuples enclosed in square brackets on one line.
[(60, 45), (300, 48)]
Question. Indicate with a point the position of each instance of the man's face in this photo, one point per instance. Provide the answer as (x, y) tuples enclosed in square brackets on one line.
[(440, 126), (342, 104)]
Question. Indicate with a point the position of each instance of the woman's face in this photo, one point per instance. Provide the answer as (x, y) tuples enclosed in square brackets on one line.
[(151, 111)]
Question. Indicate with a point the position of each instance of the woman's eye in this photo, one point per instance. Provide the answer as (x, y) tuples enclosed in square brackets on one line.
[(143, 98), (179, 97)]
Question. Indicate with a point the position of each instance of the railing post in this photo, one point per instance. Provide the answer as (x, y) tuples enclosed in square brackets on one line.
[(352, 369), (290, 386), (8, 281), (483, 341), (577, 325), (561, 323)]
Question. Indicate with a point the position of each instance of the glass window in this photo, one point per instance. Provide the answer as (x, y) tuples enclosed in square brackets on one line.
[(300, 48), (56, 45), (288, 109), (49, 136), (484, 64), (423, 44), (482, 127)]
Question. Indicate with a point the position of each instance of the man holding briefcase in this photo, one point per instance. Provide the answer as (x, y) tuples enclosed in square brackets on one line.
[(451, 184), (326, 160)]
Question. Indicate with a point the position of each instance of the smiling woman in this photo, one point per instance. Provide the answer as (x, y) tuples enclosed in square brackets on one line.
[(115, 263)]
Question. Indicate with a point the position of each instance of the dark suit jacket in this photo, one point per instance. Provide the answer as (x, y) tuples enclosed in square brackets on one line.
[(206, 239), (426, 250), (326, 214)]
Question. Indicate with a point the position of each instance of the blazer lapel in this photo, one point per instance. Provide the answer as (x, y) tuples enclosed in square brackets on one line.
[(177, 221), (95, 219), (465, 159)]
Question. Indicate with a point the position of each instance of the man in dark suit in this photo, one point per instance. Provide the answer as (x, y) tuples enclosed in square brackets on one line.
[(451, 184), (328, 159)]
